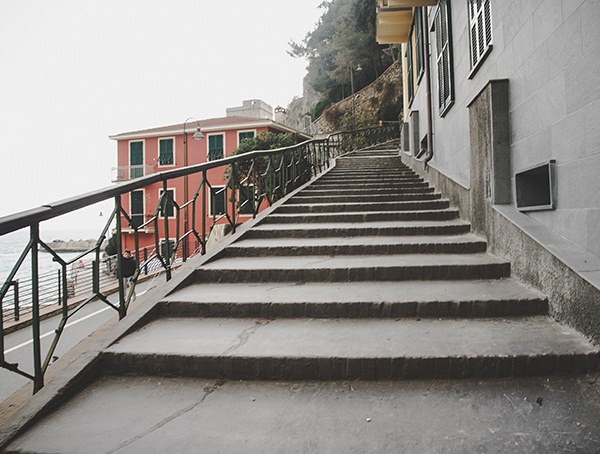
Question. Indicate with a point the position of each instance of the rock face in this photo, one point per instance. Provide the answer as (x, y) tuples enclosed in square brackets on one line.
[(371, 102)]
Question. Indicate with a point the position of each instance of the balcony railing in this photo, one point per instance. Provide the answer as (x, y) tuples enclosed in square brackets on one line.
[(125, 173), (254, 180)]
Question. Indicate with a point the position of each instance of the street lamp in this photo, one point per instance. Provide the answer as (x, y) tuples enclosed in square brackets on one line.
[(358, 68), (197, 136)]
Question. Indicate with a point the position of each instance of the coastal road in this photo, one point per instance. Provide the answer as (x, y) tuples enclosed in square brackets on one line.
[(18, 346)]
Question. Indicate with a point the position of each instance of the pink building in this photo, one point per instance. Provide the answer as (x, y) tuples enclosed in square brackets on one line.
[(148, 151)]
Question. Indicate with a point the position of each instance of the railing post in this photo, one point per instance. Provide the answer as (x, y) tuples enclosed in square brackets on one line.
[(38, 382), (59, 287), (146, 261), (204, 183), (122, 305), (166, 229), (17, 311)]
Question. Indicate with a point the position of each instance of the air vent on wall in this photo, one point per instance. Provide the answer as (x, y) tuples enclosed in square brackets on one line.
[(535, 187)]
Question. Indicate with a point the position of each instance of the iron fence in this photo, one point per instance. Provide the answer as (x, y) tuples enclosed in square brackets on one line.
[(254, 180)]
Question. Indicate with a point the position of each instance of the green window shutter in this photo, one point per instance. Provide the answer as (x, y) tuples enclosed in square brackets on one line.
[(480, 22), (215, 147), (217, 201), (245, 135), (168, 206), (409, 69), (165, 156), (444, 57), (136, 159), (419, 44), (137, 208), (246, 199)]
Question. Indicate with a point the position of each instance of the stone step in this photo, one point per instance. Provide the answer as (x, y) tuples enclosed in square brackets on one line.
[(368, 171), (351, 349), (353, 268), (355, 179), (409, 205), (460, 244), (415, 187), (361, 198), (470, 298), (358, 229), (179, 415), (374, 186), (367, 216)]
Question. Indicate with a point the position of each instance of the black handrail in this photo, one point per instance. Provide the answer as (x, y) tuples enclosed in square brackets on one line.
[(271, 174)]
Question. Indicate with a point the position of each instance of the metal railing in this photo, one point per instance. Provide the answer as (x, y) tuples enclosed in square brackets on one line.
[(253, 180)]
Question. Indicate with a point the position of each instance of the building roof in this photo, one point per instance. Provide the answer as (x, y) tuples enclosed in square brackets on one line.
[(209, 125)]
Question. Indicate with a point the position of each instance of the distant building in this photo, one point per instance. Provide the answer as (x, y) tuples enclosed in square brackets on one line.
[(148, 151), (253, 108)]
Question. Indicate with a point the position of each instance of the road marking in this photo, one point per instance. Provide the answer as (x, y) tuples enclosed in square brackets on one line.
[(50, 333)]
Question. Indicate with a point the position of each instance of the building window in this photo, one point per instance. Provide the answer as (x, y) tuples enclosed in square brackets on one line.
[(217, 200), (445, 69), (246, 200), (165, 152), (480, 24), (167, 207), (136, 159), (419, 46), (137, 208), (215, 147), (409, 70), (242, 135)]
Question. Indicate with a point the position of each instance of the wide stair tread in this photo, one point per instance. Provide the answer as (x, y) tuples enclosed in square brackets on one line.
[(333, 349), (352, 268), (447, 298), (460, 244), (279, 217)]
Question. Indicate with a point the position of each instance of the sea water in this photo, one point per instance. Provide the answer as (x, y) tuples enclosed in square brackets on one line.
[(12, 246)]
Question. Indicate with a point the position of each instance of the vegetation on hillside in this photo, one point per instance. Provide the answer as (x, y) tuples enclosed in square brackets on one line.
[(263, 141), (342, 42)]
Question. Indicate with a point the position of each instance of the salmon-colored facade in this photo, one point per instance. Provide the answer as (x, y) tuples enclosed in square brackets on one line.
[(141, 153)]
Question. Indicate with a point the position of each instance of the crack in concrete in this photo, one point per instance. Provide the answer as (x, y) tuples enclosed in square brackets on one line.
[(244, 336), (208, 390)]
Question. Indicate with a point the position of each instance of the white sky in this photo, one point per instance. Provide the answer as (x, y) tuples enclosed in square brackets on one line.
[(73, 72)]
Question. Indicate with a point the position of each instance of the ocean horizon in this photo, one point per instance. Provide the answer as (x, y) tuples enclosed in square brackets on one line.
[(13, 244)]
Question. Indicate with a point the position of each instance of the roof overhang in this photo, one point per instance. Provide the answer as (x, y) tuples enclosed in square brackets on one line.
[(208, 126), (394, 19)]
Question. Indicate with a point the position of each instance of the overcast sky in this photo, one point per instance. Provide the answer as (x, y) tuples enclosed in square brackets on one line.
[(73, 72)]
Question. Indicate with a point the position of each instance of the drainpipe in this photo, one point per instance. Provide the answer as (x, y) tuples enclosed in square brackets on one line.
[(429, 155)]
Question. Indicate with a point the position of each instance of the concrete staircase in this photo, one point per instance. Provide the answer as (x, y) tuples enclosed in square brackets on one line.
[(365, 274), (360, 316)]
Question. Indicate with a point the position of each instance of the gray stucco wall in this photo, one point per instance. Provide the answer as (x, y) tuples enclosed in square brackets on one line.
[(568, 275), (549, 51)]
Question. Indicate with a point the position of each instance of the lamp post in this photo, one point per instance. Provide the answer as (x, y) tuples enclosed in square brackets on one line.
[(358, 68), (197, 136)]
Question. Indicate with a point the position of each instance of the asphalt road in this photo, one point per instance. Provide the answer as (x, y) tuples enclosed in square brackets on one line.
[(18, 346)]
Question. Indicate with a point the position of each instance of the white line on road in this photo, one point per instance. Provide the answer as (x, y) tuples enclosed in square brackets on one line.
[(49, 333), (24, 344)]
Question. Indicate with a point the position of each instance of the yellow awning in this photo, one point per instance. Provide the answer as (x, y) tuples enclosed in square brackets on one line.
[(394, 18)]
